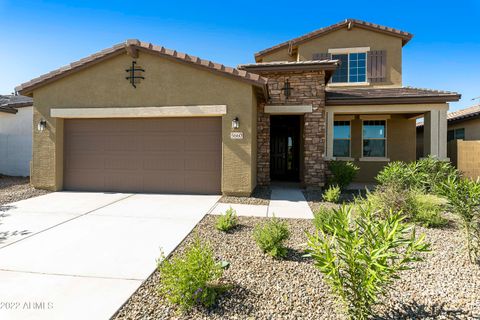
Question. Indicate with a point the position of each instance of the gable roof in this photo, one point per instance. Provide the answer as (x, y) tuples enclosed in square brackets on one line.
[(132, 46), (348, 23), (356, 96), (9, 103)]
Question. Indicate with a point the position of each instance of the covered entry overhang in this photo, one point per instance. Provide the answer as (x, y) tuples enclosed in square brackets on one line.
[(382, 103)]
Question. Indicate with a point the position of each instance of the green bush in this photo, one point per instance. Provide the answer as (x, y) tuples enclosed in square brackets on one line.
[(342, 173), (190, 278), (270, 236), (423, 209), (332, 194), (322, 217), (464, 199), (427, 210), (227, 221), (363, 255), (427, 175)]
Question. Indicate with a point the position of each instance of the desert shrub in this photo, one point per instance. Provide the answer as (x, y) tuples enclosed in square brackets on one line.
[(427, 210), (363, 255), (342, 173), (190, 278), (332, 194), (270, 237), (416, 206), (464, 199), (227, 221), (427, 175), (322, 217)]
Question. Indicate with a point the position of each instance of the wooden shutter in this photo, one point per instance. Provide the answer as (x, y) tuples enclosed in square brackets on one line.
[(377, 66), (321, 56)]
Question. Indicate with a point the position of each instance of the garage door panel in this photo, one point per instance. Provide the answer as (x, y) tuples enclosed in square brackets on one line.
[(177, 155), (163, 143), (164, 162)]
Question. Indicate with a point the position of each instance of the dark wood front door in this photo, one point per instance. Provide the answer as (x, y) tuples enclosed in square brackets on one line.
[(285, 148)]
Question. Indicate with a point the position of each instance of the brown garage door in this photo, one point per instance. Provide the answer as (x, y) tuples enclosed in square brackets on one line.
[(172, 155)]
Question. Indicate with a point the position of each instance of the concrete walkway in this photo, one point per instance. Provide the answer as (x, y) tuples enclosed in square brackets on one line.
[(72, 255), (289, 202), (285, 202)]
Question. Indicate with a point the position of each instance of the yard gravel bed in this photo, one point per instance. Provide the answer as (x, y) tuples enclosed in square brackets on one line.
[(17, 188), (260, 196), (444, 286)]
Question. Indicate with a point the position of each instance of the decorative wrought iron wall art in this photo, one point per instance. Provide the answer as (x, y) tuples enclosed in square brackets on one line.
[(287, 89), (135, 74)]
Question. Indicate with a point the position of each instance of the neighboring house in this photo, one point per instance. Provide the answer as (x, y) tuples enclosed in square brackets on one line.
[(139, 117), (463, 140), (462, 125), (16, 114)]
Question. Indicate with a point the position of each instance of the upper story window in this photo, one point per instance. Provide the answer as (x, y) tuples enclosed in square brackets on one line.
[(353, 67)]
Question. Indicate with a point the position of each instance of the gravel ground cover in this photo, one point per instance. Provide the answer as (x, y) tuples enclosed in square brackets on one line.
[(260, 196), (315, 199), (445, 286), (17, 188)]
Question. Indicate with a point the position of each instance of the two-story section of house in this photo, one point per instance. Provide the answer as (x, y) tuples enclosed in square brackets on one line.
[(337, 94)]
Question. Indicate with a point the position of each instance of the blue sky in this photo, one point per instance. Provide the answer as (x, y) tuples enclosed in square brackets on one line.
[(39, 36)]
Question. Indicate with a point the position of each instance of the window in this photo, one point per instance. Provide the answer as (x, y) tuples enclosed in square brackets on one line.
[(456, 134), (353, 67), (341, 139), (374, 138)]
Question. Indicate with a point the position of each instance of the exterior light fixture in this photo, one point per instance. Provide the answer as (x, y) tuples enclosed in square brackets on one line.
[(235, 123), (42, 125)]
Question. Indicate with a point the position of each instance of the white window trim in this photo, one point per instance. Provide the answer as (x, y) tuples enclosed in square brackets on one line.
[(348, 51), (365, 158), (349, 139)]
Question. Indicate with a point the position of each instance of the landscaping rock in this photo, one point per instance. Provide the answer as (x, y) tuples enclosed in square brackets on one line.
[(17, 188), (260, 196), (444, 286)]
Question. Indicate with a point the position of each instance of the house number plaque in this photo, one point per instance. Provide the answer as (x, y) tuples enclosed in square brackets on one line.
[(236, 135)]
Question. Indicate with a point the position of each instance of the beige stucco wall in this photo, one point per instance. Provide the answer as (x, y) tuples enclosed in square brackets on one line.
[(472, 128), (344, 38), (167, 83), (400, 145)]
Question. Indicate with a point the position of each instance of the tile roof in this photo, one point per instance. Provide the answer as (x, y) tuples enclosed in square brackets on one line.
[(131, 46), (289, 63), (8, 103), (462, 114), (388, 95), (349, 23)]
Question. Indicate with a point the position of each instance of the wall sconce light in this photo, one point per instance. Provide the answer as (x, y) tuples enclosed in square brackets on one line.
[(235, 123), (42, 125)]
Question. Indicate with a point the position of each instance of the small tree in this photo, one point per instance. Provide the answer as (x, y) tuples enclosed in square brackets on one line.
[(464, 199), (360, 257)]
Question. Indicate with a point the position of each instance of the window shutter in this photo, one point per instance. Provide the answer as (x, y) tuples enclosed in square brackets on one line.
[(377, 66), (321, 56)]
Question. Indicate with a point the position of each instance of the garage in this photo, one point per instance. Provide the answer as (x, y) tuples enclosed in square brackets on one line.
[(151, 155)]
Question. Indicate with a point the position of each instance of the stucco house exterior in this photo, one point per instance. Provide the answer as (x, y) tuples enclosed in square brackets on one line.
[(142, 118), (16, 113), (462, 124)]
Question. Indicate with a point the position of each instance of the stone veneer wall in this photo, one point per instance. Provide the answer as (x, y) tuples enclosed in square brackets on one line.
[(308, 88)]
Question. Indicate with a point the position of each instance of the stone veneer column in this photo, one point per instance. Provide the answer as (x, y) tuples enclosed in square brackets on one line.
[(263, 146), (308, 88)]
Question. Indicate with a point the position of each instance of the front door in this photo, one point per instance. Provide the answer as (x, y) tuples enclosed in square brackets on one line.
[(285, 148)]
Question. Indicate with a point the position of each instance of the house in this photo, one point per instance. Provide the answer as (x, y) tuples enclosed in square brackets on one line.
[(462, 125), (15, 135), (142, 118), (463, 140)]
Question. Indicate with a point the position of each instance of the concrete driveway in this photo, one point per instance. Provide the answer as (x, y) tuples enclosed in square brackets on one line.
[(72, 255)]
